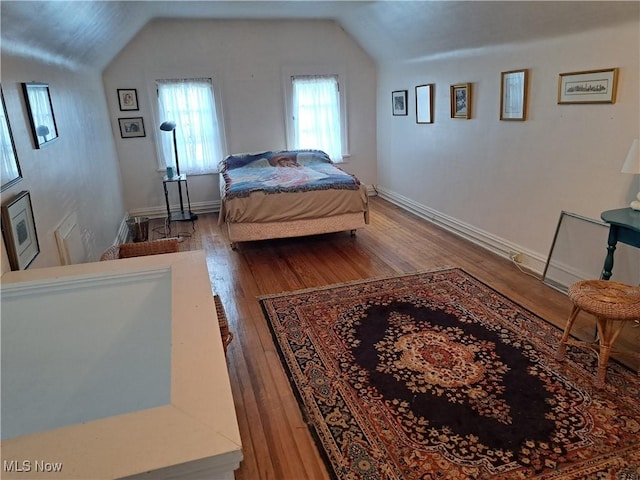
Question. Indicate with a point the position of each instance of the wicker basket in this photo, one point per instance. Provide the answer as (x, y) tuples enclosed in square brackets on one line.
[(140, 249), (225, 333)]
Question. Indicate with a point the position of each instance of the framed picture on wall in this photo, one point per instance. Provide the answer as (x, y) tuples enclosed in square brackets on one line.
[(42, 121), (399, 102), (593, 86), (461, 100), (10, 172), (128, 99), (131, 127), (19, 231), (513, 95), (424, 103)]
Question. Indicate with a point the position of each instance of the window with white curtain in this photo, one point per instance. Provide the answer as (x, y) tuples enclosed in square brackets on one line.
[(191, 104), (317, 115)]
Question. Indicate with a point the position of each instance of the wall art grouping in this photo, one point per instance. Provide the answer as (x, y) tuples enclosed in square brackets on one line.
[(130, 127), (585, 87)]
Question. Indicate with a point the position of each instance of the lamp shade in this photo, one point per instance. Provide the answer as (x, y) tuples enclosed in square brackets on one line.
[(168, 126), (632, 162)]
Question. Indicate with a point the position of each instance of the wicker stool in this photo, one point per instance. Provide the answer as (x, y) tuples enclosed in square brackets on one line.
[(613, 304), (225, 333)]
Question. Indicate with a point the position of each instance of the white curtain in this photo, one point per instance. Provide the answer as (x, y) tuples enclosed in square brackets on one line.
[(316, 114), (191, 105)]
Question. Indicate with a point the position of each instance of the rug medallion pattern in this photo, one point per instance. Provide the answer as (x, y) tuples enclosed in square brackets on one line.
[(437, 376)]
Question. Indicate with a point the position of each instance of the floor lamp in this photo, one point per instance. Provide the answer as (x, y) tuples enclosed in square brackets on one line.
[(169, 126)]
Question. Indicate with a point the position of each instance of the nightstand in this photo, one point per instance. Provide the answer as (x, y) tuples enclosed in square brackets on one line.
[(182, 215)]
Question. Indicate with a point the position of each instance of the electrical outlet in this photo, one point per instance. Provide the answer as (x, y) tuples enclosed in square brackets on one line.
[(515, 256)]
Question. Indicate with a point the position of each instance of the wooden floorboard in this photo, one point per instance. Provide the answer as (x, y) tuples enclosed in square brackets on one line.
[(276, 442)]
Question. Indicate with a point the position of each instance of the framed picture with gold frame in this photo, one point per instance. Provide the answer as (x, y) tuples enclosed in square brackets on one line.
[(461, 100), (592, 86), (513, 95), (424, 103)]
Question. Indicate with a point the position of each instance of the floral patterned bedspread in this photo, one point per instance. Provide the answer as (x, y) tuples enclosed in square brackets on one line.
[(283, 171)]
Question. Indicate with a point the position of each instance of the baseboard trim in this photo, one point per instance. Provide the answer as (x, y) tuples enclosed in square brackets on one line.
[(161, 212), (528, 259)]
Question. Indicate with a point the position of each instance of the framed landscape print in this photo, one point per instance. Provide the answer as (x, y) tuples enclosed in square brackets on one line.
[(513, 95), (131, 127), (399, 102), (424, 103), (593, 86), (461, 100), (19, 230)]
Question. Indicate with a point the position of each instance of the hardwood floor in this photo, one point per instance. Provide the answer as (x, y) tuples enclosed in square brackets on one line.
[(276, 442)]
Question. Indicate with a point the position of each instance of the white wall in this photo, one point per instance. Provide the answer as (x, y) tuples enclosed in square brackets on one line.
[(505, 183), (246, 59), (76, 173)]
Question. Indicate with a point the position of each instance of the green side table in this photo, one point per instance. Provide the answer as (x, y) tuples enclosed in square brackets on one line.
[(624, 226)]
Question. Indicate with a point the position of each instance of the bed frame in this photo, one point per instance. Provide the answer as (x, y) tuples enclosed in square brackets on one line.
[(244, 232)]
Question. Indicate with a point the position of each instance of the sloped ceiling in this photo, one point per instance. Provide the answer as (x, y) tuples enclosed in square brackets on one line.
[(89, 34)]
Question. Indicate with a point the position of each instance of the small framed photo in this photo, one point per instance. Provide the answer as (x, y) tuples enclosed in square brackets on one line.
[(399, 102), (128, 99), (593, 86), (42, 121), (19, 231), (461, 100), (424, 103), (131, 127), (513, 95)]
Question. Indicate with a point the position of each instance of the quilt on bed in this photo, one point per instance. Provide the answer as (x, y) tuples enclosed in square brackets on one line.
[(284, 171)]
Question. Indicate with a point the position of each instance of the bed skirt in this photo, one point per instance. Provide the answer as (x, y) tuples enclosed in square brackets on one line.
[(245, 232)]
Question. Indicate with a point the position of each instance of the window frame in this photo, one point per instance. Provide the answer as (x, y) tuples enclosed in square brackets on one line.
[(299, 71), (155, 107)]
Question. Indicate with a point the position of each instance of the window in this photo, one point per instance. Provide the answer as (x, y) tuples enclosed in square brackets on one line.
[(191, 104), (316, 118)]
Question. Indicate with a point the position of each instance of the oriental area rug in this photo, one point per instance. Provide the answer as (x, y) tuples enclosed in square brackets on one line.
[(435, 375)]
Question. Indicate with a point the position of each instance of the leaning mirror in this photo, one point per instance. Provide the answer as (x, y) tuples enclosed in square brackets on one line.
[(578, 251), (10, 168), (40, 110)]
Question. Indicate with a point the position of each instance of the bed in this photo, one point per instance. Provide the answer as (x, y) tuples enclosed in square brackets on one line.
[(288, 194)]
